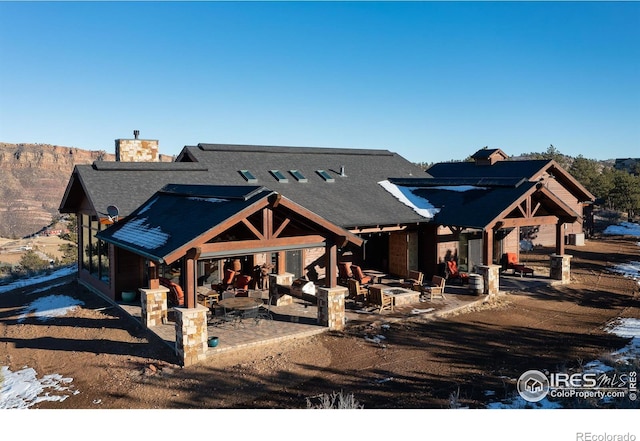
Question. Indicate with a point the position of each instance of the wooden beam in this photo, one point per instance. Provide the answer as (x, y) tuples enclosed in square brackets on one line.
[(267, 223), (530, 221), (240, 245), (282, 226), (253, 229)]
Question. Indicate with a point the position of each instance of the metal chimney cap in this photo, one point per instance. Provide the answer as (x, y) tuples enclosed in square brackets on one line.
[(136, 133)]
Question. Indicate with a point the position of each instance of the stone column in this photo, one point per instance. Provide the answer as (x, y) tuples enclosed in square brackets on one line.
[(331, 312), (154, 306), (560, 268), (491, 276), (284, 279), (191, 334)]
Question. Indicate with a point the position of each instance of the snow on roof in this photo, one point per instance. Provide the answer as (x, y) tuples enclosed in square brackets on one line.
[(458, 188), (138, 232), (194, 198), (405, 195)]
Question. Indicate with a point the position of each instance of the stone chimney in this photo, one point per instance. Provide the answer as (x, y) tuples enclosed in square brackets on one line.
[(137, 150)]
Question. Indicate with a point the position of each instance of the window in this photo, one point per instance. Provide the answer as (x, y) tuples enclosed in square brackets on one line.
[(248, 176), (299, 176), (279, 176), (95, 252), (326, 176)]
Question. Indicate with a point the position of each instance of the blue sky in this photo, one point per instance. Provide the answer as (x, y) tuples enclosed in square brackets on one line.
[(432, 81)]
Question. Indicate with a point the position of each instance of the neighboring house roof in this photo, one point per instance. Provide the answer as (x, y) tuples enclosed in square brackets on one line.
[(528, 169), (182, 216)]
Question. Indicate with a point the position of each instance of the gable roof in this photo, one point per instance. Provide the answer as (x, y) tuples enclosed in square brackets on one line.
[(179, 217), (529, 169), (475, 203)]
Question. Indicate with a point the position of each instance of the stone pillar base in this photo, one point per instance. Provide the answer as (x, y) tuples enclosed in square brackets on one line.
[(191, 334), (275, 280), (331, 312), (560, 268), (154, 306), (491, 277)]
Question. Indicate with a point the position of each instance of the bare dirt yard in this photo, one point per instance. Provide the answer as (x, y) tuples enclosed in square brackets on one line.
[(116, 364)]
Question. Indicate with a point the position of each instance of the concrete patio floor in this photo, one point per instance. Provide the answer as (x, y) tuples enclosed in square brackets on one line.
[(299, 319)]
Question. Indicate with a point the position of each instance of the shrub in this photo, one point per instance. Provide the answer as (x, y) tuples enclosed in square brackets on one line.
[(335, 401)]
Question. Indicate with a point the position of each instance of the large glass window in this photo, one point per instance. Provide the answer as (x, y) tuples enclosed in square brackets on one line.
[(95, 252)]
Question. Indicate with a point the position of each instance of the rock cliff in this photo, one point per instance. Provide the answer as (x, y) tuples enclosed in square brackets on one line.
[(33, 178)]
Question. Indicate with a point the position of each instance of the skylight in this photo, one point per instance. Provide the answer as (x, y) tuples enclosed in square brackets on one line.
[(299, 176), (248, 176), (326, 176), (279, 176)]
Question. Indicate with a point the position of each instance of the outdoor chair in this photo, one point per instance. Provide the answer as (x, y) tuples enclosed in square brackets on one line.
[(435, 288), (176, 295), (360, 276), (229, 277), (242, 285), (264, 312), (452, 273), (510, 261), (378, 298), (344, 272), (357, 292), (414, 281)]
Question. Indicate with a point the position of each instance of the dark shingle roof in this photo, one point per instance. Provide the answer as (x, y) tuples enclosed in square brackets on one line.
[(501, 169), (353, 199), (157, 227)]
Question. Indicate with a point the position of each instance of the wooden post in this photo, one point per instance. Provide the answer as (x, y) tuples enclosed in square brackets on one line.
[(190, 262), (331, 256), (487, 246), (154, 280), (282, 262), (559, 238)]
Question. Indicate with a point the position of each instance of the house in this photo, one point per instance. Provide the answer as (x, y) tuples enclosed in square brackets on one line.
[(477, 209), (333, 186), (302, 210)]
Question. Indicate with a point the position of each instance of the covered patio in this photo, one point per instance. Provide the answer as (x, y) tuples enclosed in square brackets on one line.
[(188, 223)]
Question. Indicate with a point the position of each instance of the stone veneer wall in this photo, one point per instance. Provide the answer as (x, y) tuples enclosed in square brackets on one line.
[(191, 334), (153, 304), (491, 276), (560, 268), (331, 307), (278, 299), (137, 150)]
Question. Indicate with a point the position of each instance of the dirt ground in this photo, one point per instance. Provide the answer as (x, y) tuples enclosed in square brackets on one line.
[(116, 364)]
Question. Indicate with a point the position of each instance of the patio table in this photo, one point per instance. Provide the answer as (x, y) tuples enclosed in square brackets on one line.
[(246, 306)]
